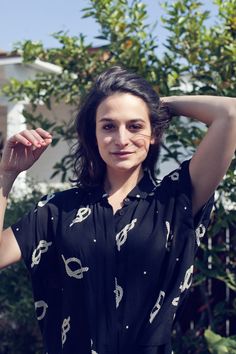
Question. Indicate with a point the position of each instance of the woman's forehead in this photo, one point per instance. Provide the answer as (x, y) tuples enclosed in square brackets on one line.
[(122, 105)]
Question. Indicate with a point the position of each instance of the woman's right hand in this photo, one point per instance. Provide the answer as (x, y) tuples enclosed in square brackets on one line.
[(23, 149)]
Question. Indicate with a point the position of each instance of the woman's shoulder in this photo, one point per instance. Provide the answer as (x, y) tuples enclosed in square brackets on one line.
[(175, 182), (62, 198)]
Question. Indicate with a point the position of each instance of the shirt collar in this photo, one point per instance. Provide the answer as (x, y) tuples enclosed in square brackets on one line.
[(146, 187)]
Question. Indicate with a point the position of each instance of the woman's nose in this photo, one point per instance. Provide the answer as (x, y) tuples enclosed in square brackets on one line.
[(122, 137)]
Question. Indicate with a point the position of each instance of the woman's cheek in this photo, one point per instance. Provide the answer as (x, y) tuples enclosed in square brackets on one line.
[(143, 142), (107, 140)]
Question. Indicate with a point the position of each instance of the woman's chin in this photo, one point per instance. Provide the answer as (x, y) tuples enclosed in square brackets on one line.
[(123, 167)]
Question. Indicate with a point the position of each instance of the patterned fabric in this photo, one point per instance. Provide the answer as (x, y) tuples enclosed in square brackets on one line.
[(112, 284)]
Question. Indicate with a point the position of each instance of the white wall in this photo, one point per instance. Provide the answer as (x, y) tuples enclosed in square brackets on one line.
[(42, 170)]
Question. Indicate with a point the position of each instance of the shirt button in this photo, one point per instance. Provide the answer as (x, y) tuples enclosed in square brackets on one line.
[(127, 327), (126, 201), (138, 196), (121, 212)]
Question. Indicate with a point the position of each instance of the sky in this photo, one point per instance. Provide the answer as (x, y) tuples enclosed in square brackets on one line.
[(37, 20)]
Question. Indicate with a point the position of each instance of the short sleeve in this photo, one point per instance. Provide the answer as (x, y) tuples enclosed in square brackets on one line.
[(182, 234), (35, 233), (179, 188)]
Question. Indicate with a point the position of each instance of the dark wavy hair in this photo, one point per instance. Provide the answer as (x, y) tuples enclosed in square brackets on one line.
[(89, 168)]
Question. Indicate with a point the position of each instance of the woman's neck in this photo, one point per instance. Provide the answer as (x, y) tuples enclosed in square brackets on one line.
[(122, 182)]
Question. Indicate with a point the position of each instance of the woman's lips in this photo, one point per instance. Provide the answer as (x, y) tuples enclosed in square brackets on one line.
[(121, 154)]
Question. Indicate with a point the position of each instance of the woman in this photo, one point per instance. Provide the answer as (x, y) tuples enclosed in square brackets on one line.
[(111, 260)]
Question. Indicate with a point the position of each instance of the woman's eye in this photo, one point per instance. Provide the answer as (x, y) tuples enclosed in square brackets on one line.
[(108, 126), (135, 127)]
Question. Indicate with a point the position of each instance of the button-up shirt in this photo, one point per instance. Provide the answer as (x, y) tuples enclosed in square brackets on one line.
[(107, 283)]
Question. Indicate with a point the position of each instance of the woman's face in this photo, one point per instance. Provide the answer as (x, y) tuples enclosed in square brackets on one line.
[(123, 131)]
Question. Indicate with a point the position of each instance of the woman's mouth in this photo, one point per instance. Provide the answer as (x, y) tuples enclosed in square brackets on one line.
[(122, 153)]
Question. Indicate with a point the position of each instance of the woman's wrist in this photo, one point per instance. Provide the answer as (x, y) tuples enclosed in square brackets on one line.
[(12, 175), (7, 179), (166, 104)]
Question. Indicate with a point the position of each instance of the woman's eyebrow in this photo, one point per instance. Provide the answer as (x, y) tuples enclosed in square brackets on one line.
[(133, 120), (105, 119)]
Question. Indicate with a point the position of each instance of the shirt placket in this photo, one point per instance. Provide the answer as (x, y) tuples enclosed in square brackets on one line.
[(120, 235), (111, 272)]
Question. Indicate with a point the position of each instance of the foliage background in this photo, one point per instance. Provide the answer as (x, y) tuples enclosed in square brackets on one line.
[(197, 59)]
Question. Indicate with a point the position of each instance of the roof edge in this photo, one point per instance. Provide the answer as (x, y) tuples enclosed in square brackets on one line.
[(37, 64)]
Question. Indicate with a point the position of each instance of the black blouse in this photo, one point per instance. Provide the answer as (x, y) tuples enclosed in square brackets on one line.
[(112, 284)]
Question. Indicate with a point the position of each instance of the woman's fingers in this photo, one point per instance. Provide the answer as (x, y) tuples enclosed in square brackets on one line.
[(34, 138), (37, 138), (43, 133), (24, 148)]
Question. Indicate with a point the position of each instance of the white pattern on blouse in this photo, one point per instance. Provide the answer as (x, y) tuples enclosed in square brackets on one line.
[(78, 273), (65, 328), (157, 306), (41, 304), (174, 176), (200, 232), (175, 301), (187, 279), (118, 292), (121, 237), (41, 203), (81, 215), (92, 351), (41, 248)]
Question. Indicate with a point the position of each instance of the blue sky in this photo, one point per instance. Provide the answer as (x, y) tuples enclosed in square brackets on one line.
[(28, 19)]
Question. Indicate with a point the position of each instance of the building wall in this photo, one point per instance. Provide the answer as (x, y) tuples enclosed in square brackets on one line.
[(12, 121), (3, 105), (3, 121), (43, 168)]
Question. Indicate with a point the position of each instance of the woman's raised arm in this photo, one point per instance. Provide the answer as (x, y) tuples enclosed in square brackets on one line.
[(214, 154), (19, 154)]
